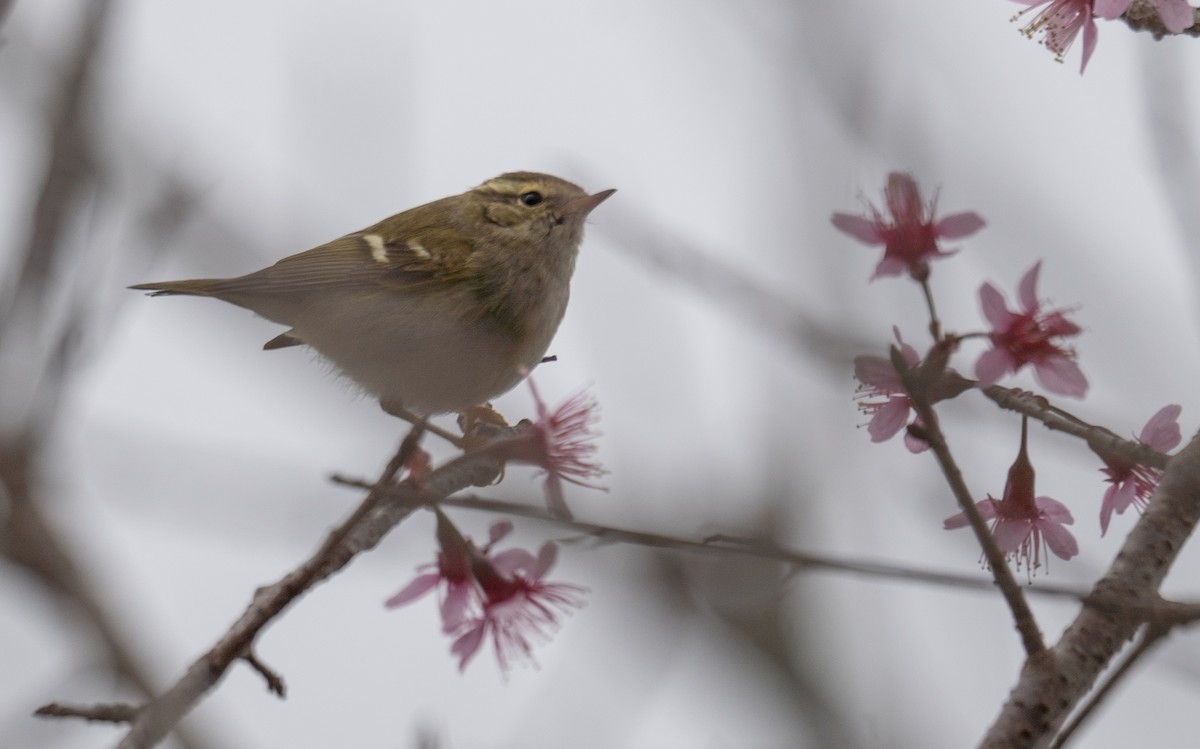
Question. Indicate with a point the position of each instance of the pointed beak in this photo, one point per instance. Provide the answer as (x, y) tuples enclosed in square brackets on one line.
[(583, 206)]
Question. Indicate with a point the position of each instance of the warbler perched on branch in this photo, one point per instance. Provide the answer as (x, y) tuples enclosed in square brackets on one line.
[(435, 309)]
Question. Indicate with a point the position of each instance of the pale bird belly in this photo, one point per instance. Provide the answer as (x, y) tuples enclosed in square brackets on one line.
[(430, 363)]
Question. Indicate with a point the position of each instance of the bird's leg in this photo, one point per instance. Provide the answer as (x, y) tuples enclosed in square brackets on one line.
[(395, 408)]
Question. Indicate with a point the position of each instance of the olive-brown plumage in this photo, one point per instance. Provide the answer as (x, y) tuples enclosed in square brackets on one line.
[(435, 309)]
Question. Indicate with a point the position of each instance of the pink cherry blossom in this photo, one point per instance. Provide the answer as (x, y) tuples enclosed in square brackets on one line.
[(882, 396), (1024, 526), (1132, 484), (1176, 15), (517, 606), (500, 594), (561, 442), (452, 567), (1028, 337), (910, 237), (1060, 22)]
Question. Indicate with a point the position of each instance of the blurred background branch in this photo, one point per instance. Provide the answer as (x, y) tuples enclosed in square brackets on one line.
[(49, 305)]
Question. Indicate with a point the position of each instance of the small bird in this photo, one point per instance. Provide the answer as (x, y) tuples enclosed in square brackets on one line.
[(436, 309)]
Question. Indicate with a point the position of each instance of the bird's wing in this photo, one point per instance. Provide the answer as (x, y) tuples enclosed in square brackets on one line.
[(361, 260)]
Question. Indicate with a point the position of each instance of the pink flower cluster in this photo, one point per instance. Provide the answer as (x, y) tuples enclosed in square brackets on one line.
[(1028, 336), (503, 596), (500, 596), (1026, 527)]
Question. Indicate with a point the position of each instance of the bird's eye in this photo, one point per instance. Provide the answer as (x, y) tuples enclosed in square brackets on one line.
[(533, 197)]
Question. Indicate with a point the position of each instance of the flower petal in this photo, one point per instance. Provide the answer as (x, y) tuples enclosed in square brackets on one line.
[(915, 445), (499, 530), (986, 507), (1011, 533), (1090, 39), (1059, 539), (903, 198), (992, 365), (889, 419), (1176, 15), (414, 590), (877, 372), (457, 606), (1059, 374), (467, 646), (1162, 430), (994, 307), (1106, 508), (545, 560), (511, 561), (1089, 45), (556, 502), (1054, 510), (889, 266), (1056, 323), (959, 225), (1027, 289), (864, 230), (910, 355), (1124, 496), (1110, 9), (958, 520)]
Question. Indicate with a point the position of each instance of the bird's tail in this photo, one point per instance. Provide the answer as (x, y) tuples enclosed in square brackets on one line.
[(193, 287)]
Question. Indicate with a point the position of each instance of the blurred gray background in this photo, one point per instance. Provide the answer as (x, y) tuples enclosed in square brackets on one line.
[(159, 466)]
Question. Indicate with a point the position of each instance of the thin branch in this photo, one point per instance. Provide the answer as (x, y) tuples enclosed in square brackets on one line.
[(114, 712), (1098, 438), (1160, 611), (274, 681), (400, 412), (935, 325), (384, 507), (159, 716), (67, 174), (723, 545), (916, 385)]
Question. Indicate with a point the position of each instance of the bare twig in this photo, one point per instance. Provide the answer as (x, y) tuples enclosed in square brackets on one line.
[(115, 712), (722, 545), (400, 412), (935, 325), (45, 341), (1101, 440), (916, 383), (67, 174), (385, 506), (274, 681)]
